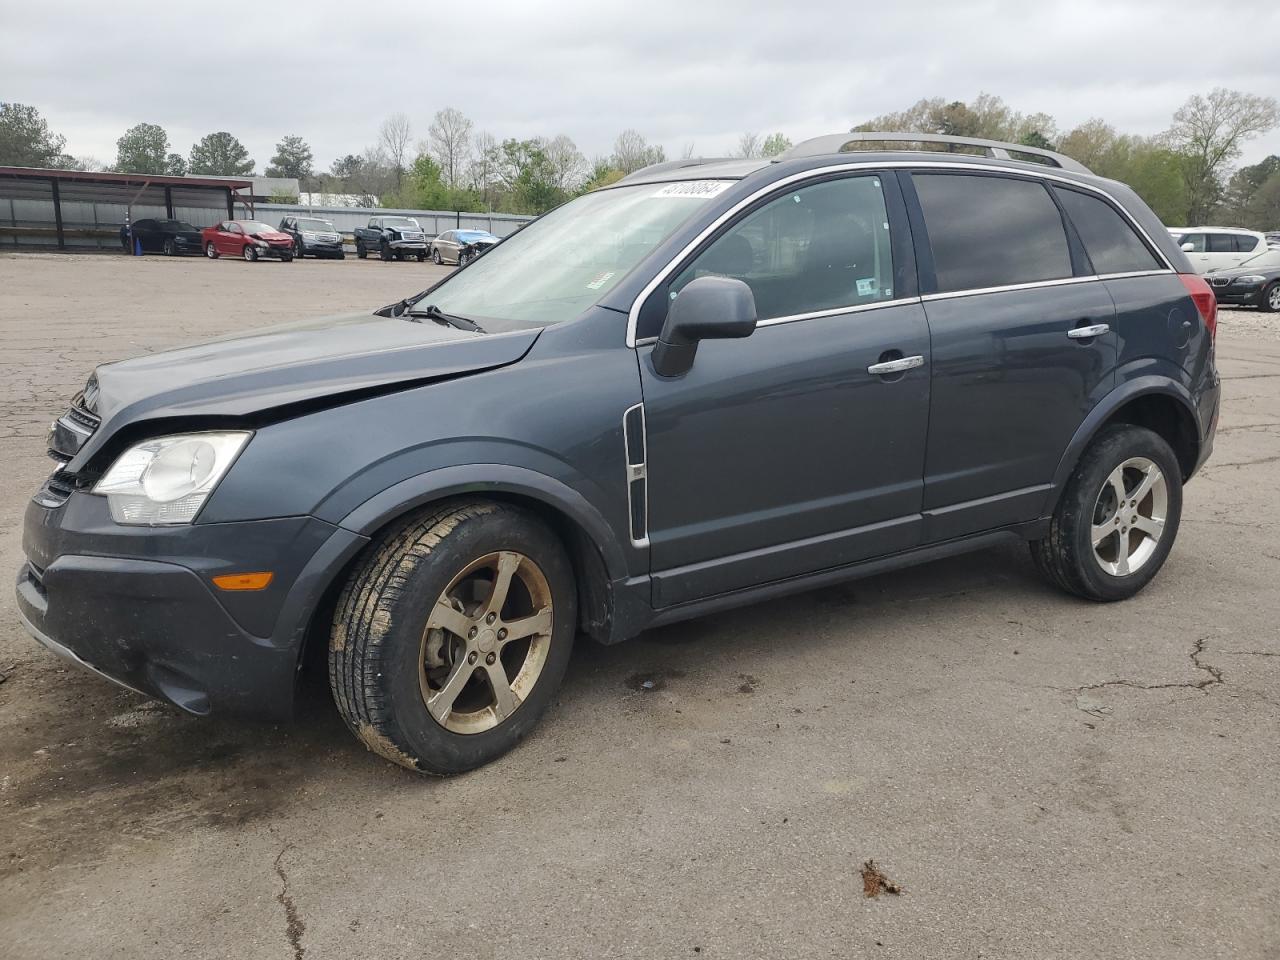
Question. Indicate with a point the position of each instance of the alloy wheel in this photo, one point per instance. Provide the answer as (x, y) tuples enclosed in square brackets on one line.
[(1129, 516), (1273, 298), (486, 642)]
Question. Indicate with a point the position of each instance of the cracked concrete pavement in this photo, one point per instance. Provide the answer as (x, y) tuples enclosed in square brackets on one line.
[(929, 720)]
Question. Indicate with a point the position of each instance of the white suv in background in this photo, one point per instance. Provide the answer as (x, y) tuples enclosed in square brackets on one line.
[(1221, 248)]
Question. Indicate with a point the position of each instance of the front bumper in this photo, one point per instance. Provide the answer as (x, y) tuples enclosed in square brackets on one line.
[(274, 252), (417, 245), (1238, 294), (137, 604)]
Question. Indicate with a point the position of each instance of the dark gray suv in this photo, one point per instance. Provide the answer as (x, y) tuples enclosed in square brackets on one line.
[(709, 384)]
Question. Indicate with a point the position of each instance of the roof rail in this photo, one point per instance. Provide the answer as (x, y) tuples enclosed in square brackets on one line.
[(664, 165), (836, 142)]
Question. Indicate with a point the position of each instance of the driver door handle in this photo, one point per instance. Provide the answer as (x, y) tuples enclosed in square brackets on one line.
[(896, 366), (1087, 333)]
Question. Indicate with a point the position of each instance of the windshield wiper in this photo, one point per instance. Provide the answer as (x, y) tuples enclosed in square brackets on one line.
[(432, 312)]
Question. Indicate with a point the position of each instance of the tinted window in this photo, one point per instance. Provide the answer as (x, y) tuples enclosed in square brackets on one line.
[(816, 248), (992, 231), (1246, 244), (1222, 243), (1110, 241)]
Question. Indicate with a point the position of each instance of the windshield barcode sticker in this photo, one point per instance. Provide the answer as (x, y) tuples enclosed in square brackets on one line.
[(695, 189)]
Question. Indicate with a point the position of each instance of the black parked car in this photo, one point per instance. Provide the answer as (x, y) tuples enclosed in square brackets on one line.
[(170, 237), (313, 237), (1248, 287), (761, 377)]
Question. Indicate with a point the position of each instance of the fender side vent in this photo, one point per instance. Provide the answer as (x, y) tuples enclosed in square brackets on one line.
[(633, 436)]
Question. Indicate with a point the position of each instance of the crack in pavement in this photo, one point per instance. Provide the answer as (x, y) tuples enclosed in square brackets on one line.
[(1214, 678), (294, 927)]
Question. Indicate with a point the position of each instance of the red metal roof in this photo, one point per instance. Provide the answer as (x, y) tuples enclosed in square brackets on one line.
[(40, 173)]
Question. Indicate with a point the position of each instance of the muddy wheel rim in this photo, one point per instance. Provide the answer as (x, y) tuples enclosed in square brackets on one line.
[(486, 642), (1129, 516)]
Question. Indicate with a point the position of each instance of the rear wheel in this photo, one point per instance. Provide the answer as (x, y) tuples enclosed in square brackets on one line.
[(1117, 519), (450, 640), (211, 251), (1271, 298)]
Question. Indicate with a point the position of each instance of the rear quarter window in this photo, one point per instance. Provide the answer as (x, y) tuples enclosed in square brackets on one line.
[(1111, 243), (992, 231)]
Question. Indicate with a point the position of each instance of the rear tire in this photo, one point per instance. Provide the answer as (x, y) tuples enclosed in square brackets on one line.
[(1270, 302), (417, 656), (1103, 546), (211, 251)]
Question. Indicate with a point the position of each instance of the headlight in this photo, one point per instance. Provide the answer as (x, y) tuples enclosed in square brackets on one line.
[(167, 480), (260, 243), (1249, 279)]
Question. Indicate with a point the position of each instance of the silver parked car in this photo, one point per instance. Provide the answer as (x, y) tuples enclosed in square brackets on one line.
[(461, 246)]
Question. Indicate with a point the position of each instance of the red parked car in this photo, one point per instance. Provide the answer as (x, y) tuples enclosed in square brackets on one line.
[(246, 238)]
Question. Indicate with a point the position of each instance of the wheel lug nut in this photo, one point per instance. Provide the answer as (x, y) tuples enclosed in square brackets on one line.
[(471, 634), (490, 618), (491, 659), (472, 657)]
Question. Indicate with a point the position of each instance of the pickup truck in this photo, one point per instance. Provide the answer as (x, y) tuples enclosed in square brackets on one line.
[(391, 238)]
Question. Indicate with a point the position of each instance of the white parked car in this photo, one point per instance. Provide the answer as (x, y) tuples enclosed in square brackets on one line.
[(1223, 248)]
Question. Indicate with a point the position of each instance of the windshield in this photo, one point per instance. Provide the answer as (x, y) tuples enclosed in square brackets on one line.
[(323, 225), (400, 222), (559, 265), (253, 226), (177, 226)]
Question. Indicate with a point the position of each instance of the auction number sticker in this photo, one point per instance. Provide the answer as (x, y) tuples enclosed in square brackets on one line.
[(695, 189)]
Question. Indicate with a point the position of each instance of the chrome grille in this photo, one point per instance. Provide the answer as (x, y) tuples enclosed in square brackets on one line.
[(1220, 281)]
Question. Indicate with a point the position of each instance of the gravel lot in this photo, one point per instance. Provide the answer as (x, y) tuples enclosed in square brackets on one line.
[(1044, 777)]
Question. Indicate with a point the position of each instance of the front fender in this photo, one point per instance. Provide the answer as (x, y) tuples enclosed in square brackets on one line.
[(1150, 376), (489, 478)]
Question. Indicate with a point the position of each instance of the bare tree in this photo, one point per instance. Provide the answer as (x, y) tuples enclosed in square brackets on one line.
[(748, 145), (631, 152), (1208, 132), (393, 140), (449, 142), (568, 165), (484, 167), (687, 152)]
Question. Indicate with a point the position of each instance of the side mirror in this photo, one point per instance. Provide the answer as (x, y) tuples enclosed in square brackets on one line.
[(708, 308), (1188, 248)]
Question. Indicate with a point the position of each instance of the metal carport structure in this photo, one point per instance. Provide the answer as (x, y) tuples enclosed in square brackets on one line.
[(73, 209)]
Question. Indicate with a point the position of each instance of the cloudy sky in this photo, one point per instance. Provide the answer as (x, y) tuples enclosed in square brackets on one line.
[(697, 72)]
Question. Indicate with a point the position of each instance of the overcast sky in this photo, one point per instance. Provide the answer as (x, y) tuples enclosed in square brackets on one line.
[(698, 71)]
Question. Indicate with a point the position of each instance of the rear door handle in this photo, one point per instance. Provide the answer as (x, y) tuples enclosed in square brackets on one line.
[(901, 365), (1089, 332)]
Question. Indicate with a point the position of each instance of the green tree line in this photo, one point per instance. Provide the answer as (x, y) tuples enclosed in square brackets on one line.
[(1187, 173)]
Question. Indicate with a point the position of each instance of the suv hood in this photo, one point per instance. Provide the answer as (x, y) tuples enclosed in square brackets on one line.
[(322, 362)]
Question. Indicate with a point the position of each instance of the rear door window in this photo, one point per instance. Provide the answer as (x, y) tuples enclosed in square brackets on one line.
[(1221, 243), (1246, 244), (815, 248), (1110, 241), (992, 231)]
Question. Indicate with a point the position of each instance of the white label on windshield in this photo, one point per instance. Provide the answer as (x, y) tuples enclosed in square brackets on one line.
[(694, 189)]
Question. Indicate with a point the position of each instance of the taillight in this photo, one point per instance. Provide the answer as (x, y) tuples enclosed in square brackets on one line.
[(1202, 296)]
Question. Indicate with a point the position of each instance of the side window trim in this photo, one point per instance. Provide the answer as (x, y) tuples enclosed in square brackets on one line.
[(906, 289)]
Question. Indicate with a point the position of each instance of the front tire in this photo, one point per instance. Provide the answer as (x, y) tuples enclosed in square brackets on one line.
[(1118, 517), (1270, 302), (299, 250), (360, 250), (435, 257), (384, 251), (250, 253), (169, 249), (450, 639)]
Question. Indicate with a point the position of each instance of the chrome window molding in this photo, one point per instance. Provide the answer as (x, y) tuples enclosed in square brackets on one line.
[(817, 314), (633, 315)]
